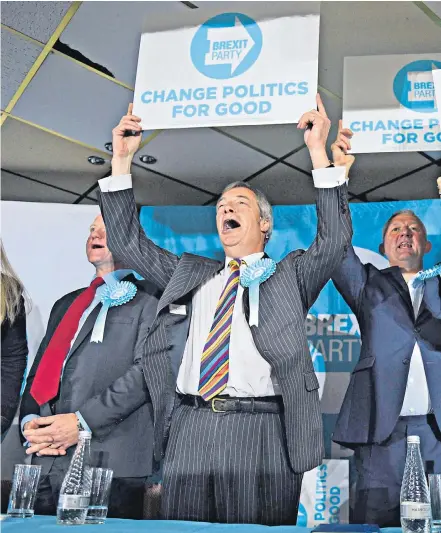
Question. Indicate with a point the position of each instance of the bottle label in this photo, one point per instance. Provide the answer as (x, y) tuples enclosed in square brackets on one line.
[(73, 501), (415, 510)]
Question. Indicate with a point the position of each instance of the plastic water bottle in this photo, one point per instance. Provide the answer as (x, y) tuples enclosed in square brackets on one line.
[(77, 484), (415, 498)]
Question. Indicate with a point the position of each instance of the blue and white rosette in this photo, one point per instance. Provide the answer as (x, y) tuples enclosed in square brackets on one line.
[(116, 294), (252, 277), (426, 274)]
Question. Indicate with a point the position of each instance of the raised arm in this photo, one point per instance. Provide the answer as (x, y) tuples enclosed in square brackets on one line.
[(350, 275), (334, 228), (125, 237)]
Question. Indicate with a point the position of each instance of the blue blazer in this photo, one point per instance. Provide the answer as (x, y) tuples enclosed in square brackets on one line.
[(381, 302)]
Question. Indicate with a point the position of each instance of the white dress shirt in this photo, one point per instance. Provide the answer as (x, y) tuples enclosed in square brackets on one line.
[(243, 354), (249, 373), (416, 398)]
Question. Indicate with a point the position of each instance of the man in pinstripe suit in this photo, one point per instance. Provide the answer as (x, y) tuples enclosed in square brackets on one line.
[(237, 453)]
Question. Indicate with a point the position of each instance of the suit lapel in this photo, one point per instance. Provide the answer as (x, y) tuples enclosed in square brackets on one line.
[(192, 270), (86, 329), (397, 280), (431, 302), (90, 321)]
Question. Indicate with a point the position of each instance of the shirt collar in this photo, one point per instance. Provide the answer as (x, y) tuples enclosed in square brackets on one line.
[(249, 259), (117, 275)]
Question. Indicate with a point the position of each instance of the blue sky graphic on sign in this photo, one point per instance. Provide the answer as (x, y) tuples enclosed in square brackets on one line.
[(226, 46), (413, 85)]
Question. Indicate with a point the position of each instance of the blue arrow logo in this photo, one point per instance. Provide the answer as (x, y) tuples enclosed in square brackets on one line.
[(226, 45)]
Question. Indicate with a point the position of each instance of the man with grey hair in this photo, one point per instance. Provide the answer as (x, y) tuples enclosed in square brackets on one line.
[(395, 388), (234, 377)]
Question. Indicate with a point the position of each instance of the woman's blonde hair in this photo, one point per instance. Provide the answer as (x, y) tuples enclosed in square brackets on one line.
[(11, 289)]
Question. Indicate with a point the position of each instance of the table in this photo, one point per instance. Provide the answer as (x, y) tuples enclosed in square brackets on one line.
[(47, 524)]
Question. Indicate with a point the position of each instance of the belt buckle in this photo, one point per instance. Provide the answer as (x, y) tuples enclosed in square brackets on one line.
[(213, 407)]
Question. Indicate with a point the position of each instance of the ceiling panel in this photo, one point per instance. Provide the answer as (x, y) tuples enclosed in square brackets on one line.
[(24, 190), (80, 104), (435, 155), (151, 189), (36, 19), (40, 155), (277, 140), (122, 19), (285, 186), (370, 28), (87, 201), (421, 185), (71, 100), (203, 157), (435, 7), (371, 170), (18, 56)]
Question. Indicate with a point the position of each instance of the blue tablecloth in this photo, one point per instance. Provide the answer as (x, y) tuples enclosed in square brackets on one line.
[(46, 524)]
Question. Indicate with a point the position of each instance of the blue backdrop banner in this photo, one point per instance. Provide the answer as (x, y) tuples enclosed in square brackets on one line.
[(332, 329)]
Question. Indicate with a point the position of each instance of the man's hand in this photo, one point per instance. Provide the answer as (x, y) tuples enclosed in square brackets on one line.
[(317, 126), (340, 148), (32, 424), (124, 148), (55, 434), (45, 448)]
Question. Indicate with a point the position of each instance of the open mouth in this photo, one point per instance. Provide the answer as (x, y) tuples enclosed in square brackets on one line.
[(230, 224), (405, 245), (97, 246)]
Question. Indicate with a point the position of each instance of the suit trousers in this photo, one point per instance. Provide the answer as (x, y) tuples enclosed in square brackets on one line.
[(229, 467), (126, 498), (380, 469)]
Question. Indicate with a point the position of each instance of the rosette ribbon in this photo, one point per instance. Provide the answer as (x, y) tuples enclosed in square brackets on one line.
[(426, 274), (113, 295), (251, 277)]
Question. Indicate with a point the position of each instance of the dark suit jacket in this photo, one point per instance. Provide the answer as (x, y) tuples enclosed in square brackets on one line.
[(284, 302), (381, 302), (13, 365), (105, 382)]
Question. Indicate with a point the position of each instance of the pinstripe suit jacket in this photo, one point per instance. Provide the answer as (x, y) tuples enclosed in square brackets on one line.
[(284, 302)]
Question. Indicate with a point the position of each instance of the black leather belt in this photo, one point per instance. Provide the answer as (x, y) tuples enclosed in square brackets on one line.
[(222, 404)]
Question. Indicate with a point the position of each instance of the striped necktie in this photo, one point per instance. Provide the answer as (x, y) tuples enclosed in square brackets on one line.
[(215, 357)]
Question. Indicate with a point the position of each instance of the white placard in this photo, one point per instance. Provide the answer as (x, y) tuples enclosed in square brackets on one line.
[(389, 103), (233, 69), (324, 498)]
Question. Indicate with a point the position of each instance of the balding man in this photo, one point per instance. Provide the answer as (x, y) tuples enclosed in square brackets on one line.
[(88, 374)]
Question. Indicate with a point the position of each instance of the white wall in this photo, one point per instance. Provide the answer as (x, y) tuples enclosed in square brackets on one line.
[(46, 245)]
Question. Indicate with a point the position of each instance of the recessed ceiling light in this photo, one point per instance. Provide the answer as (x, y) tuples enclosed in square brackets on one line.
[(96, 160), (109, 147), (148, 159)]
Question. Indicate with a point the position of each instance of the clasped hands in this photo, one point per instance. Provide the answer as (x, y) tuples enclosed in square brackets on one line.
[(51, 435)]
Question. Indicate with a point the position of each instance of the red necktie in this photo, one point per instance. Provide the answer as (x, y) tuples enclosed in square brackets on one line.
[(47, 377)]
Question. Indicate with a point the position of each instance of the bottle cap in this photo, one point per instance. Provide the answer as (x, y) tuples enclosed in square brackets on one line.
[(413, 439)]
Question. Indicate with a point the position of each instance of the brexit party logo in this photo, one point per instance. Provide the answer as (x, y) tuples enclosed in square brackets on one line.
[(334, 337), (414, 87), (226, 46)]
